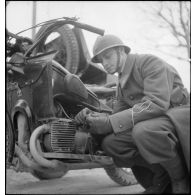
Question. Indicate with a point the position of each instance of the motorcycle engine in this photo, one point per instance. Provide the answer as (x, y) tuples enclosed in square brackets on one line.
[(66, 138)]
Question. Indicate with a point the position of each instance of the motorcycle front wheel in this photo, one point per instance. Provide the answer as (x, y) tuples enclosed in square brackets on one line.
[(49, 174), (122, 176)]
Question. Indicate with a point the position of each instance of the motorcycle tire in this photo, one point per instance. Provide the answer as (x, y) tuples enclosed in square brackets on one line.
[(121, 175), (49, 174), (67, 46), (10, 141)]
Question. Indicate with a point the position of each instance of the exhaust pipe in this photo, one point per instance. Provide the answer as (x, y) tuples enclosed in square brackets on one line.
[(26, 161), (33, 165), (63, 166), (55, 164), (33, 148)]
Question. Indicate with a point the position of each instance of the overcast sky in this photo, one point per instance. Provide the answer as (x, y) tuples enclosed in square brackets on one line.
[(123, 18)]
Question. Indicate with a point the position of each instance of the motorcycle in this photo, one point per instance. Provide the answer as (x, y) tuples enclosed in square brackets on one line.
[(45, 91)]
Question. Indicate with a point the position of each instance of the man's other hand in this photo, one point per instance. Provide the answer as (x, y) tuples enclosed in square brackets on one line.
[(80, 118)]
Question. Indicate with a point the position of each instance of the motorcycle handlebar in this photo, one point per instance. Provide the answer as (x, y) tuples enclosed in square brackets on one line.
[(10, 34), (67, 21), (89, 28), (13, 35)]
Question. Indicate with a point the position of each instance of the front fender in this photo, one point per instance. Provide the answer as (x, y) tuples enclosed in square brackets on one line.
[(10, 140), (22, 106)]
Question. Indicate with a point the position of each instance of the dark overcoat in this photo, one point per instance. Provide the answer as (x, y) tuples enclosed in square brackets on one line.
[(148, 88), (180, 117)]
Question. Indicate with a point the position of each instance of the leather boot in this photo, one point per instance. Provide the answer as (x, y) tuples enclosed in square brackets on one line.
[(161, 179), (181, 186), (178, 174)]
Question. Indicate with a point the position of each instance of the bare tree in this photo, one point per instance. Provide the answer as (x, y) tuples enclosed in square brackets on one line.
[(175, 17)]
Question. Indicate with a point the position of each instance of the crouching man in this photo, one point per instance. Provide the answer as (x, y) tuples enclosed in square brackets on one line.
[(150, 124)]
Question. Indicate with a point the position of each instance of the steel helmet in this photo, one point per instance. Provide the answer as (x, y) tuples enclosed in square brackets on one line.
[(105, 42)]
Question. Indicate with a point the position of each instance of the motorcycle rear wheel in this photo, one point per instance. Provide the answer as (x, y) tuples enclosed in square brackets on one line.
[(121, 176)]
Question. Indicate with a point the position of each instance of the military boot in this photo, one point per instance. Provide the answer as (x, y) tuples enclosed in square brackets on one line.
[(181, 186), (178, 174), (160, 179)]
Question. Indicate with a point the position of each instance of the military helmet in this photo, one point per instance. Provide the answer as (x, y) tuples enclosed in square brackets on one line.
[(105, 42)]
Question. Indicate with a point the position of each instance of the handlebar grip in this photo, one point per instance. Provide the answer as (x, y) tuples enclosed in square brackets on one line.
[(29, 40), (90, 28), (13, 35)]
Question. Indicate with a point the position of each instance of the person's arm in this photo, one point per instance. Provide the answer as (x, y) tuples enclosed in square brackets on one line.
[(156, 100), (119, 106)]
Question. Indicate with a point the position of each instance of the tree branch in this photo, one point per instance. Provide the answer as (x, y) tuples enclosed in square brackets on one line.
[(176, 33), (176, 19), (187, 36), (169, 45)]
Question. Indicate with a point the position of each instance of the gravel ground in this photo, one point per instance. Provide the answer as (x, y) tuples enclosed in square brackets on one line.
[(86, 181)]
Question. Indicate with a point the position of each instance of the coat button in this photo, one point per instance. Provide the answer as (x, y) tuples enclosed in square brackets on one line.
[(120, 126), (131, 97)]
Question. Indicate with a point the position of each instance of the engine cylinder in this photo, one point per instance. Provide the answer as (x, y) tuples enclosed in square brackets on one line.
[(63, 135)]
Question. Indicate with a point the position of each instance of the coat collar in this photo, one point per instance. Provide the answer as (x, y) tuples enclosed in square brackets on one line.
[(130, 61)]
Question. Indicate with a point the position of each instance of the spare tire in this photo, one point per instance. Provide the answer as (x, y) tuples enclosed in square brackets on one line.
[(65, 42)]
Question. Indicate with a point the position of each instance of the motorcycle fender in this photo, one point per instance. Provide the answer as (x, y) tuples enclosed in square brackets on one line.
[(11, 139), (22, 106)]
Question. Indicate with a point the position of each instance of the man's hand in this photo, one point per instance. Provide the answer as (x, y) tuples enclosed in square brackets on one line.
[(80, 118), (98, 123)]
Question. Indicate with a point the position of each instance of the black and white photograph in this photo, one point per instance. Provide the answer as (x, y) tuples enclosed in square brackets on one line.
[(97, 97)]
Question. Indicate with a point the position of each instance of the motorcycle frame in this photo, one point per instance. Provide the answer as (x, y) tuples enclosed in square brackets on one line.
[(35, 100)]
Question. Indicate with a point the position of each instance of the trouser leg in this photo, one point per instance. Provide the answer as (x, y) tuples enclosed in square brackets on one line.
[(180, 179), (172, 167), (155, 139), (160, 175), (121, 148), (125, 154), (157, 143)]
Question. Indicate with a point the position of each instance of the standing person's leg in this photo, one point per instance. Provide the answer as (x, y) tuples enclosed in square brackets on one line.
[(157, 143)]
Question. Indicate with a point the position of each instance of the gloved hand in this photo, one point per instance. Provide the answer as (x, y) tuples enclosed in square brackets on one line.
[(80, 118), (98, 123)]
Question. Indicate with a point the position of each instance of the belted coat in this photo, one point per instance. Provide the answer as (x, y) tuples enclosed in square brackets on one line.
[(149, 87)]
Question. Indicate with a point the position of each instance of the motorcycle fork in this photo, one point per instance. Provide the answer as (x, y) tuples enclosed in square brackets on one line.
[(23, 132)]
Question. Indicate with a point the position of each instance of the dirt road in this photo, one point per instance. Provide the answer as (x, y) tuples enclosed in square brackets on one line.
[(94, 181)]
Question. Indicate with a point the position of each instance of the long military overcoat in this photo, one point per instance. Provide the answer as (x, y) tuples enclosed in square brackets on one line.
[(149, 87)]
